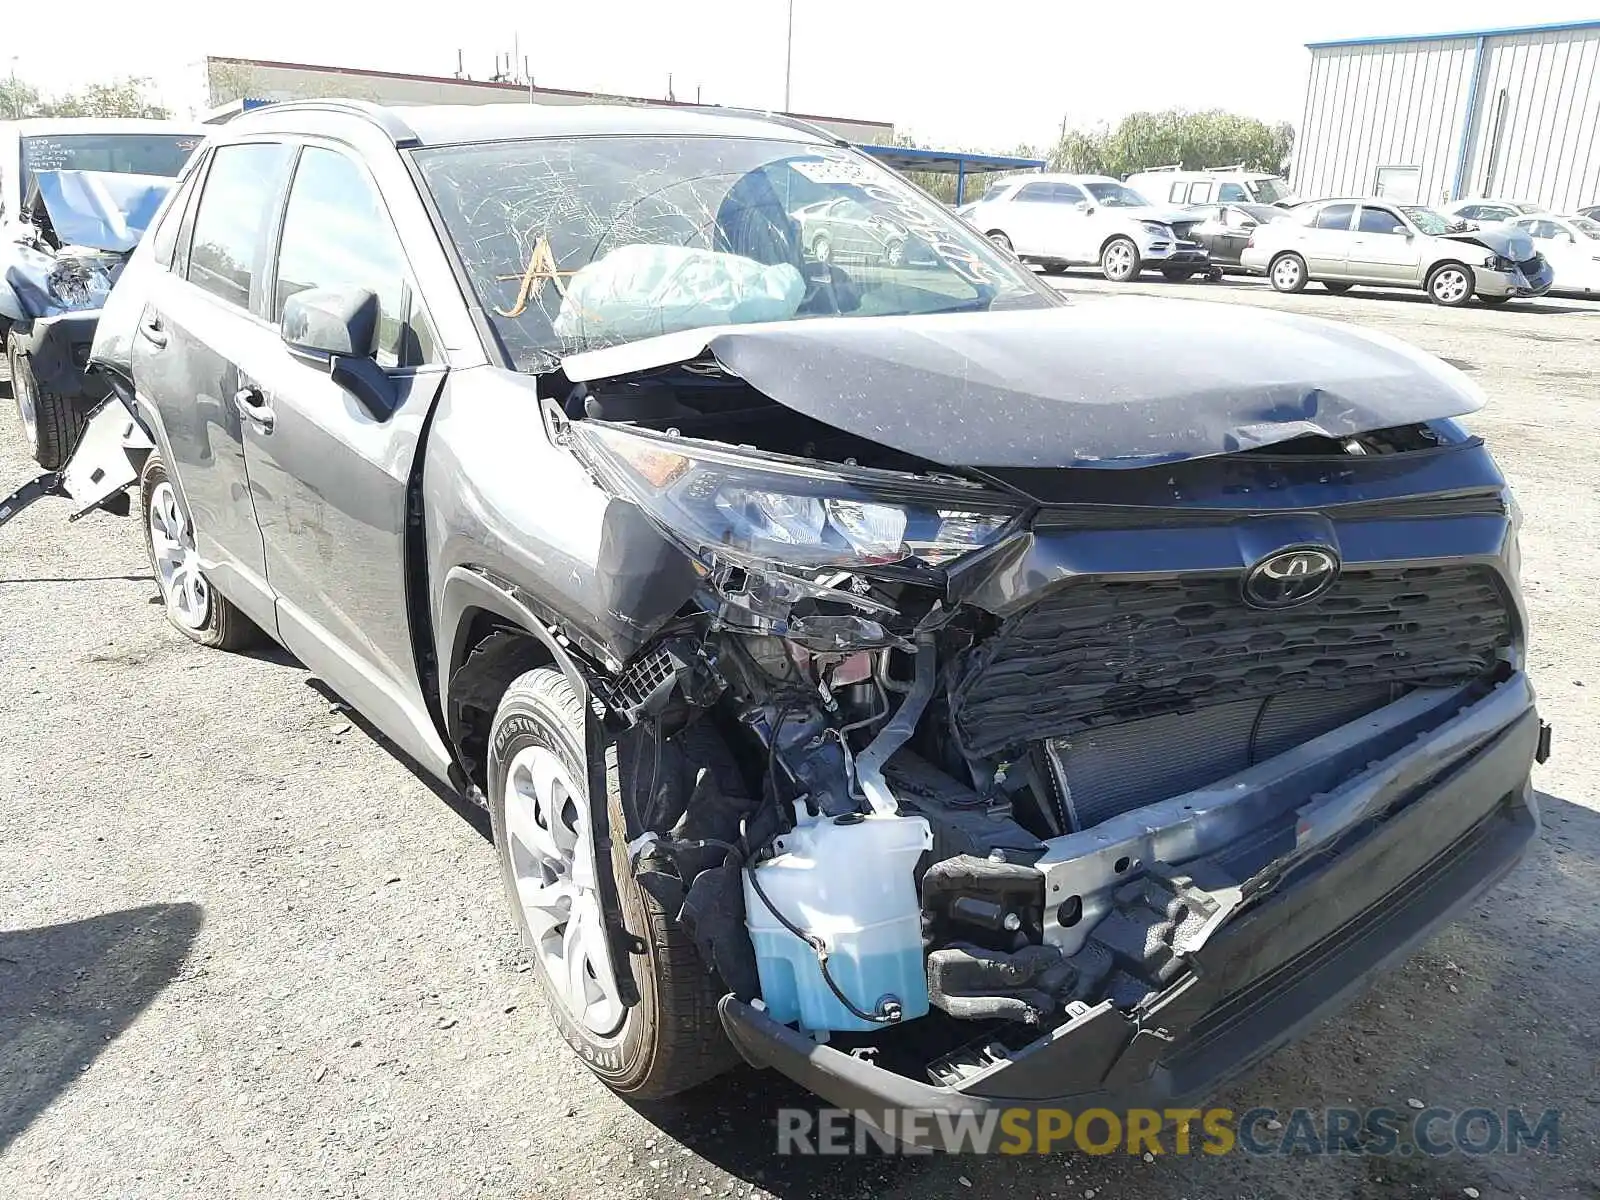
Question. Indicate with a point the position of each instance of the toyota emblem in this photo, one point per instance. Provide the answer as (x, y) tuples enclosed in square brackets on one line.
[(1290, 577)]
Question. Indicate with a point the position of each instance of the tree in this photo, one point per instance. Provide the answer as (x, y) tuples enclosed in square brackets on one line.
[(118, 98), (1192, 140)]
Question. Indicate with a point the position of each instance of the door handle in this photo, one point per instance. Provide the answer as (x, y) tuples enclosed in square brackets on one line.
[(253, 407), (150, 328)]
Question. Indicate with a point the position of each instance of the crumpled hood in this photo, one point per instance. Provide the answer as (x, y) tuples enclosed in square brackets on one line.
[(1124, 382), (100, 210), (1512, 243), (1165, 216)]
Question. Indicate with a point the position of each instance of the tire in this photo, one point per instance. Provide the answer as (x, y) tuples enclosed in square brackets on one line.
[(1001, 240), (1493, 301), (1336, 287), (1287, 273), (1450, 284), (50, 423), (1177, 274), (672, 1040), (195, 608), (822, 248), (894, 253), (1119, 260)]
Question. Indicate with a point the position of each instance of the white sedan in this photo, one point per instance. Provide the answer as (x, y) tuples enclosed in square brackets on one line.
[(1572, 247)]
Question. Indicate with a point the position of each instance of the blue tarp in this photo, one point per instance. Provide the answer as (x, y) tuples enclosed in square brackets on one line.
[(99, 209)]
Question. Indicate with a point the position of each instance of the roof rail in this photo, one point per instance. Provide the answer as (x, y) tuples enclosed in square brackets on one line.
[(1234, 167), (385, 119), (777, 118), (1153, 170)]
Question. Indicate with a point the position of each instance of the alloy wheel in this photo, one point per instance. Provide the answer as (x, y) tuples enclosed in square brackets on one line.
[(1450, 285), (1118, 261), (1285, 274), (547, 828), (177, 563)]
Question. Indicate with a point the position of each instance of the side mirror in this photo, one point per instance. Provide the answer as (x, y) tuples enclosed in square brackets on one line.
[(337, 328)]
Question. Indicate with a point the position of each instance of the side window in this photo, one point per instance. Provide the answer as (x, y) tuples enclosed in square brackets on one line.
[(997, 191), (1335, 216), (1379, 220), (1068, 193), (1472, 212), (1200, 193), (1238, 218), (240, 196), (1036, 193), (336, 233), (1178, 193), (1232, 192), (165, 239)]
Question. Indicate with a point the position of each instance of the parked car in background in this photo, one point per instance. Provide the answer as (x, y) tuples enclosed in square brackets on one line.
[(1591, 211), (75, 194), (1571, 245), (1340, 243), (1225, 229), (844, 229), (1074, 220), (1490, 212), (806, 631), (1225, 185)]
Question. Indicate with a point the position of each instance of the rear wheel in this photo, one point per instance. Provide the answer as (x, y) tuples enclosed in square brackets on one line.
[(1119, 260), (672, 1039), (1288, 273), (1450, 284), (195, 608), (1337, 288), (50, 423)]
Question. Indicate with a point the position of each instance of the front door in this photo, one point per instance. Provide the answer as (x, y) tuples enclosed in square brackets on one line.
[(196, 326), (1384, 249), (330, 479)]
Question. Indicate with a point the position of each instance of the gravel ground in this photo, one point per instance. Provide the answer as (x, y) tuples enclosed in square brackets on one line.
[(245, 950)]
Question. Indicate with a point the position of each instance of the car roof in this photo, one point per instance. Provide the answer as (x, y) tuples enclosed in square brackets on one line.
[(454, 124), (36, 126)]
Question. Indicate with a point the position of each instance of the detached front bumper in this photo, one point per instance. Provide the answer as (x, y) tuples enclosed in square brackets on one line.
[(1174, 254), (1460, 816), (1525, 280)]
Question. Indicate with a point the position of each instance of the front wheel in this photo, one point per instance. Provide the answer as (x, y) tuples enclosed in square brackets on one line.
[(672, 1039), (1450, 284), (822, 248), (198, 611), (1287, 273), (894, 254), (1001, 240), (1119, 260), (51, 424)]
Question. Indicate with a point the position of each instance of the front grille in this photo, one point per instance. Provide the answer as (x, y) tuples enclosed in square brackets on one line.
[(1184, 230), (1532, 266), (1096, 652)]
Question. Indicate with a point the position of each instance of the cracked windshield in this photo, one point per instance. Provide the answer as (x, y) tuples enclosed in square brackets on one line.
[(574, 244)]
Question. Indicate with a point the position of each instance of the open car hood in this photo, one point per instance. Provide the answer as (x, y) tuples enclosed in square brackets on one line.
[(1127, 382), (100, 210)]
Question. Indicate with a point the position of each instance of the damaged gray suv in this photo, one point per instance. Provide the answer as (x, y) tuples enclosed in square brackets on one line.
[(882, 672)]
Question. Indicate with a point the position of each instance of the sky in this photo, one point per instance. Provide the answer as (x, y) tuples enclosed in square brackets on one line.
[(977, 74)]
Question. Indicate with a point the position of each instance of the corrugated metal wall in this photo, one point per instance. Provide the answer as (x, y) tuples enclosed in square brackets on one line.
[(1536, 135), (1401, 105), (1535, 128)]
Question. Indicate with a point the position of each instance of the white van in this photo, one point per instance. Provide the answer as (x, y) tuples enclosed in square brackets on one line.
[(1224, 185)]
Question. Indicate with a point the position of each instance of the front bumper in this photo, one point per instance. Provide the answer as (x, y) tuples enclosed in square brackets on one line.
[(57, 350), (1463, 816), (1174, 254), (1517, 282)]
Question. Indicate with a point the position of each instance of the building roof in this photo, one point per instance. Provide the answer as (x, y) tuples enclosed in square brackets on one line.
[(948, 162), (1499, 31), (450, 124), (39, 126), (514, 89)]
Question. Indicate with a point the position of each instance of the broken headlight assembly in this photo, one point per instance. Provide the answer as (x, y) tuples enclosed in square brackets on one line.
[(757, 508)]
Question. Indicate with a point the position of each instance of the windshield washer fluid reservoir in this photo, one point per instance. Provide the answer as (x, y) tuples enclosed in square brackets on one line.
[(847, 880)]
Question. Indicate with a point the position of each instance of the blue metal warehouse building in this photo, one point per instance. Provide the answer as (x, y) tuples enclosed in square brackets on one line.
[(1512, 113)]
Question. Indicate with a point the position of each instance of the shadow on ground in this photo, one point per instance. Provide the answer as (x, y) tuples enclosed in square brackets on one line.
[(67, 990), (1483, 1015)]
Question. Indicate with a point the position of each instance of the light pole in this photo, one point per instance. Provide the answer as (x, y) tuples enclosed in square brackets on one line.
[(788, 58)]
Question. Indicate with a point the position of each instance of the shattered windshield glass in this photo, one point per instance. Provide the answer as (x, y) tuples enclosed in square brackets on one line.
[(1268, 190), (1431, 222), (572, 244), (117, 153)]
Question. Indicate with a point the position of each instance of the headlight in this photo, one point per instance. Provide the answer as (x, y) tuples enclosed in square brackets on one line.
[(759, 509), (1155, 230), (1498, 262)]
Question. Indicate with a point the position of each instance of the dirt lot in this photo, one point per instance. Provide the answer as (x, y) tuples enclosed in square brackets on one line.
[(245, 950)]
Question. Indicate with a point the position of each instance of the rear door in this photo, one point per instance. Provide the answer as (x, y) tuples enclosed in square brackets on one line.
[(1383, 249), (1326, 243), (331, 480), (198, 323), (1029, 214)]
